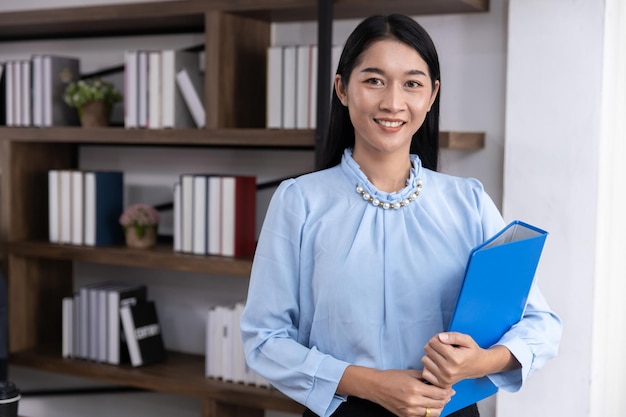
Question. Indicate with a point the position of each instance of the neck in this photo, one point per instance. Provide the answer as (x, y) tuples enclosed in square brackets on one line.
[(387, 173)]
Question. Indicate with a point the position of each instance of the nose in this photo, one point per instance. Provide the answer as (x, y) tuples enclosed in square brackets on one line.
[(392, 99)]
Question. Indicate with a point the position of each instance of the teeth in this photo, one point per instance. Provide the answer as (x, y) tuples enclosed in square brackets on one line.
[(390, 124)]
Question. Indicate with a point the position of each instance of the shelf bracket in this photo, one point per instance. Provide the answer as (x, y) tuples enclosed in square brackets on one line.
[(324, 42)]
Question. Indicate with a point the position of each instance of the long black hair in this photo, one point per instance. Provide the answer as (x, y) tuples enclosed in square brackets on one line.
[(425, 142)]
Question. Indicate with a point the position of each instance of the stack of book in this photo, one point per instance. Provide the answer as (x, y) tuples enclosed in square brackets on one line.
[(225, 357), (292, 85), (163, 89), (31, 91), (84, 207), (215, 215), (112, 322)]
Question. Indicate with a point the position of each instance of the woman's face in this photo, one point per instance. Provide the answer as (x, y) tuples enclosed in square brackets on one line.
[(388, 96)]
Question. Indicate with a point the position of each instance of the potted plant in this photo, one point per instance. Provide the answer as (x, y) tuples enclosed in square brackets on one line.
[(140, 222), (93, 98)]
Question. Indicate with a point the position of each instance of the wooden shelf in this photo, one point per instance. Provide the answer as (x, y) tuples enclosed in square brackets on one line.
[(188, 16), (161, 257), (263, 138), (249, 138), (181, 374)]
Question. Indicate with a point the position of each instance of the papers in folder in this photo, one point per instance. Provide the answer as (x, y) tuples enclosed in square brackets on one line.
[(498, 278)]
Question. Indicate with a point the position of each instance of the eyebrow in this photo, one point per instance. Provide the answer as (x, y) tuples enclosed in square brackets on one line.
[(381, 72)]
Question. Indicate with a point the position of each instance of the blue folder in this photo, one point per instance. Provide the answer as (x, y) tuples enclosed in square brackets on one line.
[(498, 278)]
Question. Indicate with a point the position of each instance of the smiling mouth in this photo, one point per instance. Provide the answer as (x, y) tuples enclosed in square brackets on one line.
[(388, 123)]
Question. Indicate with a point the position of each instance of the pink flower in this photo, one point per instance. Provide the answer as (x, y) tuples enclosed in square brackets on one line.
[(139, 215)]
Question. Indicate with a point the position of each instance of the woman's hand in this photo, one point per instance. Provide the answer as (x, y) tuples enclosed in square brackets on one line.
[(403, 392), (451, 357)]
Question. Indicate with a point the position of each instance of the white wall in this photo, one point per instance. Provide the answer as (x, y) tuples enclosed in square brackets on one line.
[(554, 134), (472, 51)]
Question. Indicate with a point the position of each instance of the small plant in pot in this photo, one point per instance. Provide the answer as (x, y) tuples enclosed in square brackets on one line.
[(140, 222), (93, 98)]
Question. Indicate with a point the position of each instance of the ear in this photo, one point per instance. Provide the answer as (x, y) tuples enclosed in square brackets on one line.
[(433, 96), (340, 90)]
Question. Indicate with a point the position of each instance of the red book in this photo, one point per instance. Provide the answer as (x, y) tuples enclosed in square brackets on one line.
[(238, 215)]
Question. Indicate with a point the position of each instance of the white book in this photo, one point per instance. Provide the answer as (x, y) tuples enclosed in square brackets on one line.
[(9, 93), (187, 212), (303, 67), (177, 218), (128, 324), (37, 63), (54, 206), (313, 87), (274, 87), (174, 112), (228, 216), (190, 91), (214, 223), (142, 88), (77, 207), (154, 90), (66, 206), (68, 327), (210, 363), (18, 93), (26, 93), (130, 90), (239, 359), (289, 87), (199, 246), (228, 344)]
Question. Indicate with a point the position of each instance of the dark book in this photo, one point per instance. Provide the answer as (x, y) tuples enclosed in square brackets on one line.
[(124, 294), (104, 203), (57, 72), (238, 215), (143, 333), (3, 92)]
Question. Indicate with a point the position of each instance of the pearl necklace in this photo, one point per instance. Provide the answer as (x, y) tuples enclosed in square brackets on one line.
[(386, 205)]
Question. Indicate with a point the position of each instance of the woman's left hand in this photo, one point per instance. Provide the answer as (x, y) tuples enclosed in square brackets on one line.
[(451, 357)]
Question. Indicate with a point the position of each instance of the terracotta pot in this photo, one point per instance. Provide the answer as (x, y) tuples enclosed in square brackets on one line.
[(94, 114), (147, 240)]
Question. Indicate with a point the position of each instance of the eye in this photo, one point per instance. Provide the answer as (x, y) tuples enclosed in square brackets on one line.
[(374, 81), (413, 84)]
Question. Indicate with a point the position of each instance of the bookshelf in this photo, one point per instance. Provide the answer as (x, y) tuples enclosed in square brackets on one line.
[(236, 34)]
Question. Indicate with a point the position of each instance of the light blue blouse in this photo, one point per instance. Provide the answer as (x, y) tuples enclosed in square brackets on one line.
[(337, 281)]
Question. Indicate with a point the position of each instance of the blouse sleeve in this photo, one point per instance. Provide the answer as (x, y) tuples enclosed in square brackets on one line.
[(271, 319), (535, 339)]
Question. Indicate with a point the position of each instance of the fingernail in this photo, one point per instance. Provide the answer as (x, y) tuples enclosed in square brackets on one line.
[(443, 337)]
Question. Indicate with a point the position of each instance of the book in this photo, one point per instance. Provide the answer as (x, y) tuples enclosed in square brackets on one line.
[(189, 85), (154, 89), (104, 203), (131, 110), (174, 112), (238, 215), (303, 77), (199, 210), (214, 214), (274, 116), (77, 200), (289, 87), (68, 327), (54, 206), (143, 333), (58, 72), (117, 297), (498, 277)]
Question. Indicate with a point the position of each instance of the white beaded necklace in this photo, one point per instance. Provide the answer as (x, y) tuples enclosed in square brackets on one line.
[(385, 204)]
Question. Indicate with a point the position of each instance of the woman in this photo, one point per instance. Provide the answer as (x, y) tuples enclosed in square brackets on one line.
[(358, 265)]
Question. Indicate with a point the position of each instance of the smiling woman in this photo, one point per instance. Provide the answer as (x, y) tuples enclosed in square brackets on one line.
[(358, 266)]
